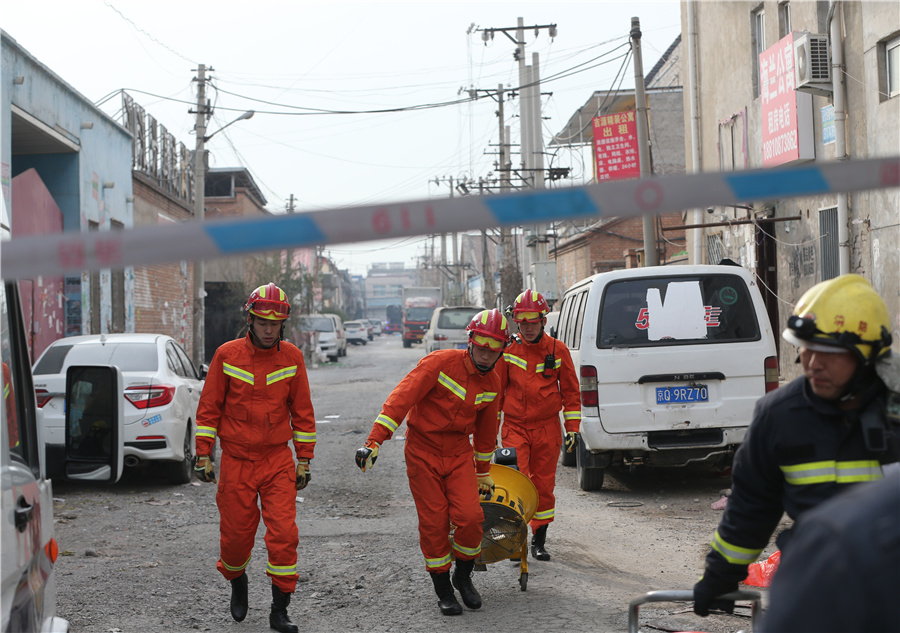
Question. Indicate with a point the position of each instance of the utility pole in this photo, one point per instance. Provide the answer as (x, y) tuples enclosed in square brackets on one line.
[(641, 111), (487, 275), (199, 209), (289, 206)]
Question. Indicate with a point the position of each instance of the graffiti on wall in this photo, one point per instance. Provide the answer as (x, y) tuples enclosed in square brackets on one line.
[(803, 261)]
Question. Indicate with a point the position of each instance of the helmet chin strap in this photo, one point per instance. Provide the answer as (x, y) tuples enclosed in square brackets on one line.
[(276, 344)]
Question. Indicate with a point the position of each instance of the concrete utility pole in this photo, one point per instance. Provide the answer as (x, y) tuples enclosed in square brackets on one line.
[(199, 210), (641, 111)]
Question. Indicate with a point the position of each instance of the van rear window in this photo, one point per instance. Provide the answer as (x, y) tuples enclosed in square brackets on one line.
[(670, 310)]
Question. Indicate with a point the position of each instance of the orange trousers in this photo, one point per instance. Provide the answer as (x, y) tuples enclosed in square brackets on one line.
[(272, 482), (537, 451), (446, 492)]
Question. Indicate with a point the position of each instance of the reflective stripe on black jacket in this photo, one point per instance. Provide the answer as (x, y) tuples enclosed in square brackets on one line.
[(799, 451)]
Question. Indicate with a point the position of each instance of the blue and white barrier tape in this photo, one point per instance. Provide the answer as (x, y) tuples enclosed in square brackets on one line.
[(67, 253)]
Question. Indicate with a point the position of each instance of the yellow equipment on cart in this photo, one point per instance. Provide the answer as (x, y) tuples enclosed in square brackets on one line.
[(507, 512)]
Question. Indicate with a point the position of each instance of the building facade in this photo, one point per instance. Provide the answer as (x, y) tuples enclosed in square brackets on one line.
[(65, 166), (782, 83)]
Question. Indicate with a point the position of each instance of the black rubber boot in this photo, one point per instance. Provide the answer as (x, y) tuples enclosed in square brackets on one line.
[(462, 580), (446, 598), (239, 597), (279, 619), (537, 544)]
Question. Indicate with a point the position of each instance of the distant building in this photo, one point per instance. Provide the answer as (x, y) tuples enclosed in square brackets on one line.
[(584, 248)]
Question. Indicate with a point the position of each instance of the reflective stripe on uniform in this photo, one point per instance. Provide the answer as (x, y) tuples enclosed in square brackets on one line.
[(732, 553), (468, 551), (452, 385), (483, 457), (383, 420), (486, 396), (545, 514), (515, 360), (434, 563), (206, 431), (572, 415), (238, 568), (281, 570), (300, 436), (287, 372), (235, 372), (556, 365), (832, 471)]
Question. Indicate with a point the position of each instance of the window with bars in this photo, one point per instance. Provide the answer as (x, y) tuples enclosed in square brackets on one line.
[(829, 257), (715, 252), (117, 291)]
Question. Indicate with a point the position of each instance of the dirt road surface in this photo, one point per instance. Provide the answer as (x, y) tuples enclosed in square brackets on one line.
[(139, 556)]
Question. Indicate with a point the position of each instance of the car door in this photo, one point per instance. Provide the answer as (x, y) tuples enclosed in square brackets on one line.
[(29, 550), (192, 378)]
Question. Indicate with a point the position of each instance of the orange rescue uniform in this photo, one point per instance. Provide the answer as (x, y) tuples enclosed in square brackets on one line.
[(447, 400), (256, 401), (533, 396)]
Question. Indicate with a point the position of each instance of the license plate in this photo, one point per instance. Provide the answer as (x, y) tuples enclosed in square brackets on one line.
[(677, 395)]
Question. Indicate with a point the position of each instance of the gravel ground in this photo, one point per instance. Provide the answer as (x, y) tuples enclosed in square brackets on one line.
[(140, 555)]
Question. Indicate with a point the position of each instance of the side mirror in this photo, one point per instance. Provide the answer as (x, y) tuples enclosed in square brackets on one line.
[(204, 370), (95, 423)]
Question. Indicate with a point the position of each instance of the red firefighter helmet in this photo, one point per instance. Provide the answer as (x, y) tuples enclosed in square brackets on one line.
[(268, 302), (529, 306), (489, 329)]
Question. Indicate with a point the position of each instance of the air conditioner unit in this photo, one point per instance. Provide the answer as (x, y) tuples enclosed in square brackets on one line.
[(812, 64)]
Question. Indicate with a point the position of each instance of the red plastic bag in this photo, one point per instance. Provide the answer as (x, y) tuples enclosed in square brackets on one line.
[(760, 574)]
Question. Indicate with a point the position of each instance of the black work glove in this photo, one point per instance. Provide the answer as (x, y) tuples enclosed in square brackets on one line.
[(707, 590), (204, 469)]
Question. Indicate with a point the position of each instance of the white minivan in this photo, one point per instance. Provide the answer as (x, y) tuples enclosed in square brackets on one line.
[(671, 361), (330, 327)]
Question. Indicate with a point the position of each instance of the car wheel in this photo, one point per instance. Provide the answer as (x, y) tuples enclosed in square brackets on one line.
[(406, 343), (567, 459), (180, 472), (334, 358), (589, 477)]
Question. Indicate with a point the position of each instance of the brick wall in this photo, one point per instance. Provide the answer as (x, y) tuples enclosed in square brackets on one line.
[(163, 293), (605, 246)]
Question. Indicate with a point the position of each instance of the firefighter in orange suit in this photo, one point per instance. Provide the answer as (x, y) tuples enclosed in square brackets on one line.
[(538, 380), (256, 400), (450, 395)]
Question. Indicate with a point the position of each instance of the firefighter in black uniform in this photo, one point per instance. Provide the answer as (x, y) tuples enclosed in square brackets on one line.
[(842, 572), (820, 434)]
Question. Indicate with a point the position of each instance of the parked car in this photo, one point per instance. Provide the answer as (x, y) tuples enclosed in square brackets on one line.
[(330, 327), (672, 360), (161, 392), (376, 327), (447, 329), (370, 330), (356, 332)]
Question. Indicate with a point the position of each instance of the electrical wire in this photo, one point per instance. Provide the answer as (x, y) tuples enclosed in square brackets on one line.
[(142, 31)]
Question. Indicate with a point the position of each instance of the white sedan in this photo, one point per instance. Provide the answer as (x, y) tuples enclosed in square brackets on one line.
[(162, 390)]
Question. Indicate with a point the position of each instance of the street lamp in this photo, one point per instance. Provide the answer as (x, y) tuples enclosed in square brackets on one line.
[(200, 164)]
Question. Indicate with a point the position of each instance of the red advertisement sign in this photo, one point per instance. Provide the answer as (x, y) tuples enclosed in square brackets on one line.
[(780, 130), (616, 147)]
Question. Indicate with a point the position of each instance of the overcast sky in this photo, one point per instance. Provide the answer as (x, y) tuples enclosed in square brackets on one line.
[(286, 60)]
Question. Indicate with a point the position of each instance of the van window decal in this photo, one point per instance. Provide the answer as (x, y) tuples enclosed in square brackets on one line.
[(681, 316), (728, 295)]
